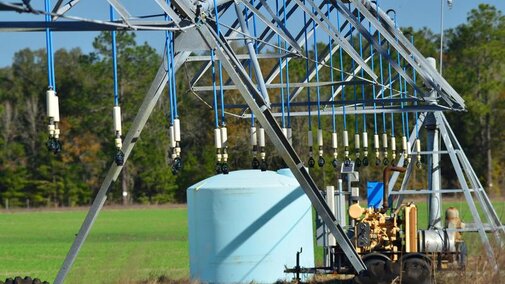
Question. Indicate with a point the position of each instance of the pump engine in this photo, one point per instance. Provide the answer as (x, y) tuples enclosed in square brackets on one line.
[(393, 247)]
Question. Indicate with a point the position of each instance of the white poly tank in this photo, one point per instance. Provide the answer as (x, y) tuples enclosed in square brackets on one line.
[(247, 225)]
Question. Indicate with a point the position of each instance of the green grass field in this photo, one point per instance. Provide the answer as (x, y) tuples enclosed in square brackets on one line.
[(125, 244)]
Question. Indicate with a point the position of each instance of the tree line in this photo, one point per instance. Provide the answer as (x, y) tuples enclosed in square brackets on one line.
[(474, 61)]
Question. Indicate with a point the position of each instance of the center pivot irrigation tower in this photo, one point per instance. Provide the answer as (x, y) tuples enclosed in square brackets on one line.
[(357, 65)]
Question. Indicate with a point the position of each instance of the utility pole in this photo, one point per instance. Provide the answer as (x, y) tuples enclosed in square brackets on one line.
[(449, 3), (441, 33)]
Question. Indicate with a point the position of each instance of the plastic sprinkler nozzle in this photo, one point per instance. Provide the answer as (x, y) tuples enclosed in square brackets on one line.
[(224, 168), (255, 163), (119, 158), (334, 163), (263, 165), (365, 161), (53, 145), (311, 162), (320, 161)]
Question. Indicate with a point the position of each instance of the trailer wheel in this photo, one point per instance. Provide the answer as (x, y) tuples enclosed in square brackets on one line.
[(26, 280), (416, 270), (379, 270)]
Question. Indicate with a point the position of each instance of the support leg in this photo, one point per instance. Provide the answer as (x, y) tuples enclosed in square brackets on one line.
[(466, 191)]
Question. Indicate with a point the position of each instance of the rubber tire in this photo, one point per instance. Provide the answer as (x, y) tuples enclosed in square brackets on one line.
[(26, 280), (416, 270), (379, 271)]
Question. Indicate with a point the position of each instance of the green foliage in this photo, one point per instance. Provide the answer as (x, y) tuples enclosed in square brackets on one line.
[(475, 65), (474, 57), (28, 173)]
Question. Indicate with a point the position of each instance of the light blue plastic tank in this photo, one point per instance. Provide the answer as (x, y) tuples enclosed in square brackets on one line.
[(246, 226)]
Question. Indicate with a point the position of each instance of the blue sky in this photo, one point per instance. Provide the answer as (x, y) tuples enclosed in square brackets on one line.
[(416, 13)]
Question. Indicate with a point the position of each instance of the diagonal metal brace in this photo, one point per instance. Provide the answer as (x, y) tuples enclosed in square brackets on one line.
[(336, 35), (171, 13), (121, 10), (286, 36)]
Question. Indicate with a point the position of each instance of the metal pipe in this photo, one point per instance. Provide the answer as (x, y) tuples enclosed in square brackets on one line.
[(385, 178), (341, 205), (433, 161), (252, 55), (441, 35), (433, 168)]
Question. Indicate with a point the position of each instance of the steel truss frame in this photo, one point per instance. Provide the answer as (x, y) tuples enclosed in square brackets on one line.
[(198, 24), (467, 179)]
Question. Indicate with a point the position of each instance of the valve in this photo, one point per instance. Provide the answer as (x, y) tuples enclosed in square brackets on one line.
[(218, 144), (347, 161), (357, 161), (118, 142), (365, 149), (376, 147), (175, 138), (385, 162), (405, 151), (263, 163), (218, 162), (408, 154), (393, 150), (310, 142), (418, 150), (320, 161), (224, 149), (334, 145), (254, 142), (53, 113)]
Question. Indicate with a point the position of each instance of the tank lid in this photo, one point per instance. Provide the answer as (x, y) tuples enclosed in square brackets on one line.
[(286, 172), (248, 179)]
